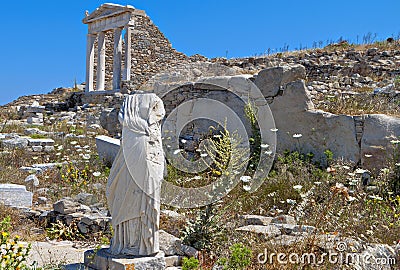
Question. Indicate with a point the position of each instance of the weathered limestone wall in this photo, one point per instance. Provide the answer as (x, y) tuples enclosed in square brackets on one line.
[(365, 140)]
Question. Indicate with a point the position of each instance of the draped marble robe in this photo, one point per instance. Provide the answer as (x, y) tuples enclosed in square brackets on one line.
[(133, 188)]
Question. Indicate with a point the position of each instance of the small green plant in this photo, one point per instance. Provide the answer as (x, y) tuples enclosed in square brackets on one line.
[(329, 156), (250, 112), (204, 230), (37, 136), (190, 263), (60, 231), (227, 153), (239, 259), (397, 82), (13, 254), (76, 177)]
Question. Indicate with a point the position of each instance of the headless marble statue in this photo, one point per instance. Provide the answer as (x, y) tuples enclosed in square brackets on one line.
[(133, 188)]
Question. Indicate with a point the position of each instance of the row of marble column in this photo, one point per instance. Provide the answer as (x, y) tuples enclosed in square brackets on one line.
[(101, 59)]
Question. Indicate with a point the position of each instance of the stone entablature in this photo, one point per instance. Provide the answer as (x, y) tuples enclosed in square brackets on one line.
[(105, 18)]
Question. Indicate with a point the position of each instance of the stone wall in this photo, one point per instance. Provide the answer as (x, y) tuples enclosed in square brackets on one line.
[(352, 138)]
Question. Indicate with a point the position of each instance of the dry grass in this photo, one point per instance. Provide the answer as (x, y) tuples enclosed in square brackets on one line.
[(363, 103), (373, 218)]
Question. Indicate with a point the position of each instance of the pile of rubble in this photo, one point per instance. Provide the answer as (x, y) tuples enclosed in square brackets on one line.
[(283, 231), (11, 141)]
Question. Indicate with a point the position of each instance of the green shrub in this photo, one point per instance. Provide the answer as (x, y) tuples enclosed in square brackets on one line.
[(190, 263), (60, 231), (204, 230), (239, 259)]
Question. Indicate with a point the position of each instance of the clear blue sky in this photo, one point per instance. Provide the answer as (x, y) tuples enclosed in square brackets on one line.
[(43, 42)]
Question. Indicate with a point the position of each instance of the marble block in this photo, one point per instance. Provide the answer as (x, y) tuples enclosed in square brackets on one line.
[(107, 148), (15, 195)]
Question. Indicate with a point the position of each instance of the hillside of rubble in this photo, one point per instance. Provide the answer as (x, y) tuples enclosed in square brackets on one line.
[(48, 148)]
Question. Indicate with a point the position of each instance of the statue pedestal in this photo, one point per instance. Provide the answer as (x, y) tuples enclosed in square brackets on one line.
[(102, 260)]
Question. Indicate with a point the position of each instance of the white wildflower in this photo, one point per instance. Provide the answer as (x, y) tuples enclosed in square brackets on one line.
[(339, 185), (274, 129), (177, 151), (369, 232), (368, 155), (183, 141), (360, 171), (245, 178), (246, 188), (86, 156), (297, 135), (351, 198), (298, 187), (264, 145), (290, 201), (375, 197), (330, 170), (96, 174), (385, 170)]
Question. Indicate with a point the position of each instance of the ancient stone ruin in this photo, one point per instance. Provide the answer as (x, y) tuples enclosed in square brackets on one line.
[(126, 52), (124, 45)]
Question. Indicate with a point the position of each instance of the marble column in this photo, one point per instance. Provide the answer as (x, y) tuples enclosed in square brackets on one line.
[(89, 61), (117, 59), (126, 76), (101, 62)]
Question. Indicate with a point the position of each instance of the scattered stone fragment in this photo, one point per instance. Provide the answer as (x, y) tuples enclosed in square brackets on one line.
[(66, 206), (284, 219), (269, 230), (85, 198), (42, 200), (32, 180), (256, 220)]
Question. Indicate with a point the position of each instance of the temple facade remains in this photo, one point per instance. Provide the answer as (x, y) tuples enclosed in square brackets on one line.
[(123, 44)]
